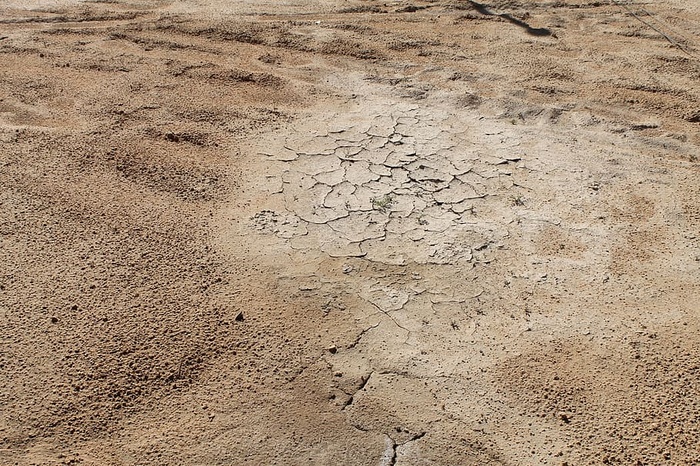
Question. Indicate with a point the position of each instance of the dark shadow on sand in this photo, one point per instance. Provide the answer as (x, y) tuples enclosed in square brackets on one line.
[(483, 9)]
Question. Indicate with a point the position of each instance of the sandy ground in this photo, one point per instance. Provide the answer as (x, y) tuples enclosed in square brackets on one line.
[(349, 232)]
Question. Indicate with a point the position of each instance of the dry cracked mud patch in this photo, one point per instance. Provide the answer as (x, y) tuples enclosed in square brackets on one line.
[(358, 232)]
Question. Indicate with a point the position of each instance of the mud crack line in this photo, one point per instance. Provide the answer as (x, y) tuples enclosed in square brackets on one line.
[(394, 446), (362, 386), (393, 319)]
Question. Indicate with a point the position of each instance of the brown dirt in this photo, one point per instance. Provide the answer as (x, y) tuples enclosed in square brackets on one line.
[(429, 232)]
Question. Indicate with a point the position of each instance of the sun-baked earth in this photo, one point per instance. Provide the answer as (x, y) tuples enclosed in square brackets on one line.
[(349, 232)]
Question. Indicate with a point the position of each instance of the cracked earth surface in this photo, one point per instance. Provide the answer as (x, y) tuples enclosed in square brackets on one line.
[(400, 233)]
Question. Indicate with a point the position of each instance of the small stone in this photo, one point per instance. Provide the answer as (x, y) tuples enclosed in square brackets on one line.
[(172, 137), (239, 317), (54, 319), (347, 269), (332, 349), (337, 374), (566, 417)]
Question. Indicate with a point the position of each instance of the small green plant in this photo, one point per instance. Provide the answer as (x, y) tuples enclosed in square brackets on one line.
[(382, 203)]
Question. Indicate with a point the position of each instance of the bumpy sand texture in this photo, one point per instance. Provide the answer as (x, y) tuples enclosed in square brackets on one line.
[(349, 233)]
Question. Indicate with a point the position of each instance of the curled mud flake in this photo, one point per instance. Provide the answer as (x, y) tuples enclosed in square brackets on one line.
[(399, 175), (348, 152), (313, 146), (435, 162), (353, 137), (380, 170), (431, 186), (314, 164), (296, 181), (341, 196), (376, 156), (380, 187), (336, 125), (447, 300), (407, 146), (312, 239), (362, 199), (420, 171), (324, 215), (460, 167), (358, 173), (382, 126), (418, 234), (376, 142), (274, 148), (510, 158), (437, 221), (331, 178), (406, 190), (462, 208), (476, 183), (463, 160), (398, 159), (405, 129), (360, 226), (406, 120), (447, 166), (486, 171), (381, 132), (505, 183), (309, 205), (456, 192), (280, 153), (296, 142), (402, 206)]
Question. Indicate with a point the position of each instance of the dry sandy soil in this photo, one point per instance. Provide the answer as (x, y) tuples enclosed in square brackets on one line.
[(349, 232)]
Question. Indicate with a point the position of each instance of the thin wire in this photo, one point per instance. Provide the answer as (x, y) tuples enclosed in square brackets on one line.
[(671, 40), (667, 26)]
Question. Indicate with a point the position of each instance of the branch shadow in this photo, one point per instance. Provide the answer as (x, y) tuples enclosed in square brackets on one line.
[(484, 10)]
